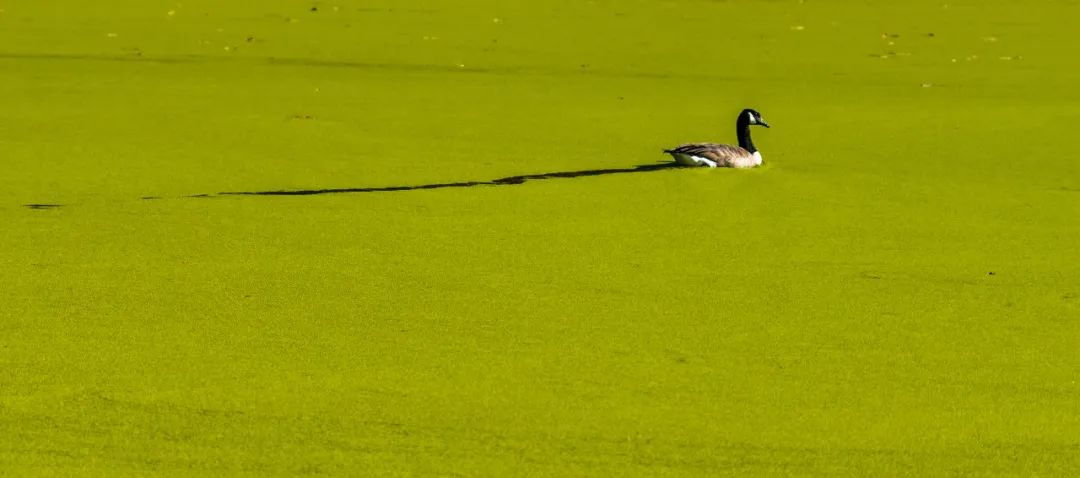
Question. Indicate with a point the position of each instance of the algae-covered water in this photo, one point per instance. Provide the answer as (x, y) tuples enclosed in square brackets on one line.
[(897, 291)]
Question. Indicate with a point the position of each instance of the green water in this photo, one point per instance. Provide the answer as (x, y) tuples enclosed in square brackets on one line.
[(897, 291)]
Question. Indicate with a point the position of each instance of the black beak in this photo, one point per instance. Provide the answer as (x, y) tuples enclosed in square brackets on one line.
[(763, 123)]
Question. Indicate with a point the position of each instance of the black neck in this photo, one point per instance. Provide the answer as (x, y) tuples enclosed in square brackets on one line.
[(742, 131)]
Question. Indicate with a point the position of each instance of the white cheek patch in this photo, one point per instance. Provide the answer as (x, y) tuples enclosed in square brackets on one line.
[(752, 119)]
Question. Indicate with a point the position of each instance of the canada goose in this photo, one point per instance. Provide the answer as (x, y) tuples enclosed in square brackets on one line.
[(713, 155)]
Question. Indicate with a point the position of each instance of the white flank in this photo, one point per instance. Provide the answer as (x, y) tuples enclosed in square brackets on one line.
[(688, 160), (698, 160)]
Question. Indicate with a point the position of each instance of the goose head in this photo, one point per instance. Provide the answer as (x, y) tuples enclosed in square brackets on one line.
[(752, 117)]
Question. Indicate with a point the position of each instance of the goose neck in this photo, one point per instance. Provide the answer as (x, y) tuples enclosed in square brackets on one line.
[(742, 131)]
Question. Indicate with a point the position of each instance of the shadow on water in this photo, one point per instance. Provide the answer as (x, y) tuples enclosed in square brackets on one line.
[(507, 181)]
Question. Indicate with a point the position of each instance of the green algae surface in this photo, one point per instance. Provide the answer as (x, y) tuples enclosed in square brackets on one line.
[(896, 292)]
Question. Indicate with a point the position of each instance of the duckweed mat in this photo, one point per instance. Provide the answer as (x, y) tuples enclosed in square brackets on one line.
[(896, 292)]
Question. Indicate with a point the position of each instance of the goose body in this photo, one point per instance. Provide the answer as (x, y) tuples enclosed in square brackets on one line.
[(714, 155)]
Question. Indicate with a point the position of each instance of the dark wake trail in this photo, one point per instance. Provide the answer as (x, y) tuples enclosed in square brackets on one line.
[(507, 181), (510, 180)]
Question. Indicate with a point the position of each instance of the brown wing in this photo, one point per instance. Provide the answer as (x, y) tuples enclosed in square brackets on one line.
[(723, 154)]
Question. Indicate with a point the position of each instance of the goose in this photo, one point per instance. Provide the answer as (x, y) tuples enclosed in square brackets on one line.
[(713, 155)]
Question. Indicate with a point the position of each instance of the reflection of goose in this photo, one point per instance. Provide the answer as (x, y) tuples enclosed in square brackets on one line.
[(713, 155)]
